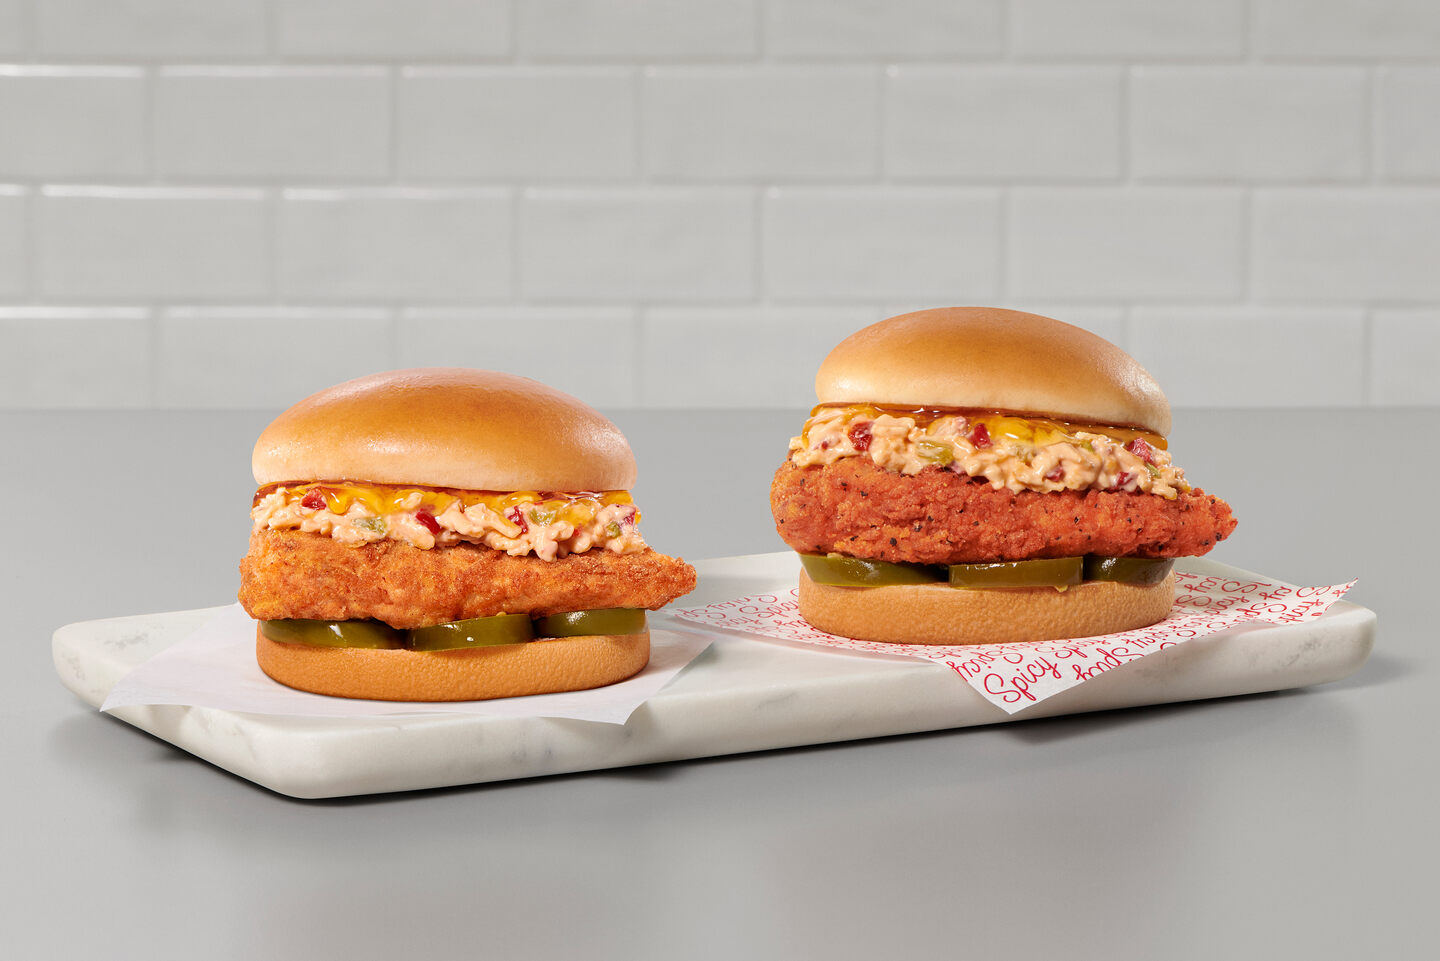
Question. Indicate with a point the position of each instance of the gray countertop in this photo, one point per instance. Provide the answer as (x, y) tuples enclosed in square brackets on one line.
[(1298, 824)]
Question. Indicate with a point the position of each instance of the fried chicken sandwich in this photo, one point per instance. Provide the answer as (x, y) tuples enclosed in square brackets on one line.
[(449, 534), (977, 475)]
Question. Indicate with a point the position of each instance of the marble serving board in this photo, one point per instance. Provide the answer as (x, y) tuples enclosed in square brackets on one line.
[(742, 694)]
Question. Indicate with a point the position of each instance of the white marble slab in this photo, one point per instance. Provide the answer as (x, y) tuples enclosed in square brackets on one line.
[(743, 694)]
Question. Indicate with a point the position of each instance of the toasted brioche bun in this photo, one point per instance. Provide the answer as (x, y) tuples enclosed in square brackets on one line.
[(988, 358), (446, 427), (511, 670), (940, 614)]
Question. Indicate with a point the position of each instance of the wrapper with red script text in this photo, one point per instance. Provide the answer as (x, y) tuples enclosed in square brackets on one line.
[(1015, 676)]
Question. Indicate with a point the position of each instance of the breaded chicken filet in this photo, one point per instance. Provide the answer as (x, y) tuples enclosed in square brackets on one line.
[(940, 517), (291, 574)]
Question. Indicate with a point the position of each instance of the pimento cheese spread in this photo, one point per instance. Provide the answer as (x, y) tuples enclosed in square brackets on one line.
[(1008, 451), (519, 523)]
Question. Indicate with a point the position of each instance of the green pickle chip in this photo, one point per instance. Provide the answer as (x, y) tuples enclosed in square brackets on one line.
[(474, 632), (501, 629), (615, 620), (1140, 571), (1056, 572), (838, 570), (367, 634)]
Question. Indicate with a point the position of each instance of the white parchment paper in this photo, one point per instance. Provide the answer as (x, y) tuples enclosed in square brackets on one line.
[(215, 667), (1015, 676)]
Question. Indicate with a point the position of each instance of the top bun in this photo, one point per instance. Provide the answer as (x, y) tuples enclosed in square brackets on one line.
[(988, 358), (446, 427)]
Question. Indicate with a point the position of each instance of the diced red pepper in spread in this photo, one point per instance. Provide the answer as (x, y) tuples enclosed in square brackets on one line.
[(1141, 449), (517, 517), (1056, 473), (860, 435), (980, 437), (314, 499), (428, 521)]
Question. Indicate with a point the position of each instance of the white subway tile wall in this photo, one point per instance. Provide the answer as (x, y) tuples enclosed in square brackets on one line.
[(881, 243), (517, 124), (390, 30), (1402, 358), (1328, 245), (1138, 30), (13, 243), (14, 27), (533, 342), (1012, 123), (637, 30), (1346, 29), (1244, 356), (393, 245), (762, 123), (637, 245), (885, 29), (40, 365), (1409, 106), (1263, 123), (1127, 243), (149, 29), (687, 202), (688, 354), (272, 123), (151, 243), (64, 124), (205, 356)]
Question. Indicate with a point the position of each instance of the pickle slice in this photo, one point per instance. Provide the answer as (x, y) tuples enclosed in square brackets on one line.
[(613, 620), (368, 634), (1056, 572), (474, 632), (1140, 571), (841, 571)]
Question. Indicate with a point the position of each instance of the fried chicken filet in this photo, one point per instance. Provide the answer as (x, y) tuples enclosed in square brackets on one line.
[(293, 574), (939, 517)]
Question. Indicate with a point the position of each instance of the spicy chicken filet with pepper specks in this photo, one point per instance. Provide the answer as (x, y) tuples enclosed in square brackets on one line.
[(449, 534), (978, 475)]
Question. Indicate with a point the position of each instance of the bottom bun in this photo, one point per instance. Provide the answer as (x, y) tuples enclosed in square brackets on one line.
[(511, 670), (940, 614)]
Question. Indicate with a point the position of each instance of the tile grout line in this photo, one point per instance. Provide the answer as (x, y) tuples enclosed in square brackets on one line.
[(274, 200), (272, 32), (516, 199), (1125, 169), (1367, 354), (1375, 155), (760, 295), (150, 133), (1002, 246), (640, 76), (33, 233), (1247, 245), (394, 77)]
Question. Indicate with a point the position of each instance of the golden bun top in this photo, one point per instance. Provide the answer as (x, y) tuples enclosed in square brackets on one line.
[(446, 427), (989, 358)]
